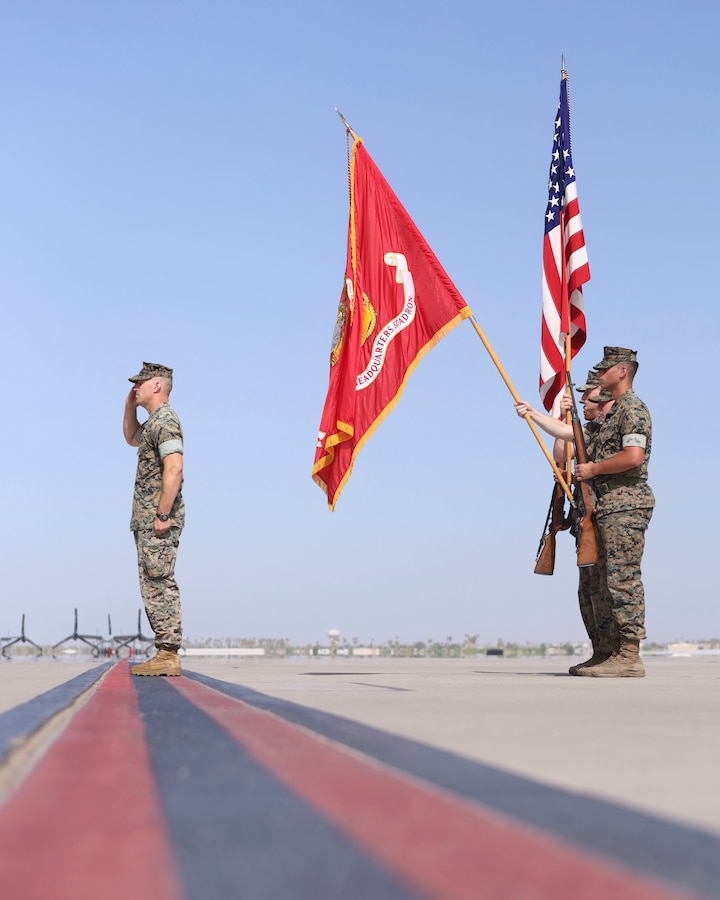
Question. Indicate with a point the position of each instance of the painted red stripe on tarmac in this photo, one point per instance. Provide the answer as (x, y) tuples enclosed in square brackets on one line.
[(86, 821), (442, 846)]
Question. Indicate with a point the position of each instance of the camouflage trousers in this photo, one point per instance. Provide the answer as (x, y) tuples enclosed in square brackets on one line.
[(622, 536), (596, 604), (158, 588)]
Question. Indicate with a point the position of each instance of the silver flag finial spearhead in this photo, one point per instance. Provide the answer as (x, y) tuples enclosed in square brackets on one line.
[(343, 120)]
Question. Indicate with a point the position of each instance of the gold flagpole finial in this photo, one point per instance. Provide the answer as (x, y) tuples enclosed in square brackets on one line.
[(563, 70)]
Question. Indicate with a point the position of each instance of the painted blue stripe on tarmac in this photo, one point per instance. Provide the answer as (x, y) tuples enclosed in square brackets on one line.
[(236, 830), (683, 856), (23, 720)]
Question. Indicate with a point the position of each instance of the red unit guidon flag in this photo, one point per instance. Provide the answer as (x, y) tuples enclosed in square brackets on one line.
[(565, 263), (397, 302)]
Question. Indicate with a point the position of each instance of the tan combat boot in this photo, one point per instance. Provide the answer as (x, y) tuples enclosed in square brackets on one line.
[(595, 660), (165, 662), (625, 663)]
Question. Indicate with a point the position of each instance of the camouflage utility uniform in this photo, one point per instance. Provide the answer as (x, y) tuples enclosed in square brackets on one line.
[(593, 596), (624, 509), (158, 437)]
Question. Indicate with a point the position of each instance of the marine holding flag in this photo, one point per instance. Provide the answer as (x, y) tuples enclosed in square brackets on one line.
[(397, 302)]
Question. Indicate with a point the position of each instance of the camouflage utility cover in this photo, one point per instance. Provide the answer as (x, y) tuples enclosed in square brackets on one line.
[(160, 436), (592, 381), (151, 370), (613, 356)]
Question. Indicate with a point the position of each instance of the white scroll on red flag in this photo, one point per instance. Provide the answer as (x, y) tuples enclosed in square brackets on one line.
[(397, 302), (565, 264)]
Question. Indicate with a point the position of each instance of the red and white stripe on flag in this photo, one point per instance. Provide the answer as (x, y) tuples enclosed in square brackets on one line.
[(565, 264)]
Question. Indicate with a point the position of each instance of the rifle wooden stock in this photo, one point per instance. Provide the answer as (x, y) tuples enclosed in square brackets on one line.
[(556, 521), (587, 553), (545, 562)]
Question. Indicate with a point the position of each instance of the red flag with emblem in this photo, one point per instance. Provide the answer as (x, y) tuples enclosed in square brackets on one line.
[(397, 302)]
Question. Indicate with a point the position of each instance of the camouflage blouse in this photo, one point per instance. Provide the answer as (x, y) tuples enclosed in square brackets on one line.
[(628, 424), (160, 436), (591, 430)]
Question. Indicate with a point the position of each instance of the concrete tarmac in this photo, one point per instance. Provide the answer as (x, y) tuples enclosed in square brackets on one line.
[(648, 746), (649, 743)]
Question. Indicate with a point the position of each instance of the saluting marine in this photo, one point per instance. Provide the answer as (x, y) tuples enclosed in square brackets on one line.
[(158, 510)]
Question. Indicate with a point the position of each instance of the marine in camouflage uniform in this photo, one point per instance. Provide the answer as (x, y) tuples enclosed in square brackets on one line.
[(593, 595), (158, 511), (624, 508), (593, 598)]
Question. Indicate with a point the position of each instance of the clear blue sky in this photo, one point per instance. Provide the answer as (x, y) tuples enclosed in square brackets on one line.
[(174, 189)]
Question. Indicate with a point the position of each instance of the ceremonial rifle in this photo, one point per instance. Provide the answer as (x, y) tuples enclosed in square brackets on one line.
[(585, 498), (556, 521)]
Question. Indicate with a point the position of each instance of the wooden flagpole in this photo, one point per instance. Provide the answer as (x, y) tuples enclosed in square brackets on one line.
[(568, 414), (568, 338), (516, 398)]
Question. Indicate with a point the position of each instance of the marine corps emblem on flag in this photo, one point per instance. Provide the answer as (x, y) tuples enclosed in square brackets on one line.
[(396, 303), (369, 320), (339, 333)]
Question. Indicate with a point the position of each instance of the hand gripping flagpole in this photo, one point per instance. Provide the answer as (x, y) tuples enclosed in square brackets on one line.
[(516, 398)]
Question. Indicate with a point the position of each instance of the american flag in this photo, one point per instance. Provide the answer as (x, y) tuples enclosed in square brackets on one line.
[(565, 263)]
